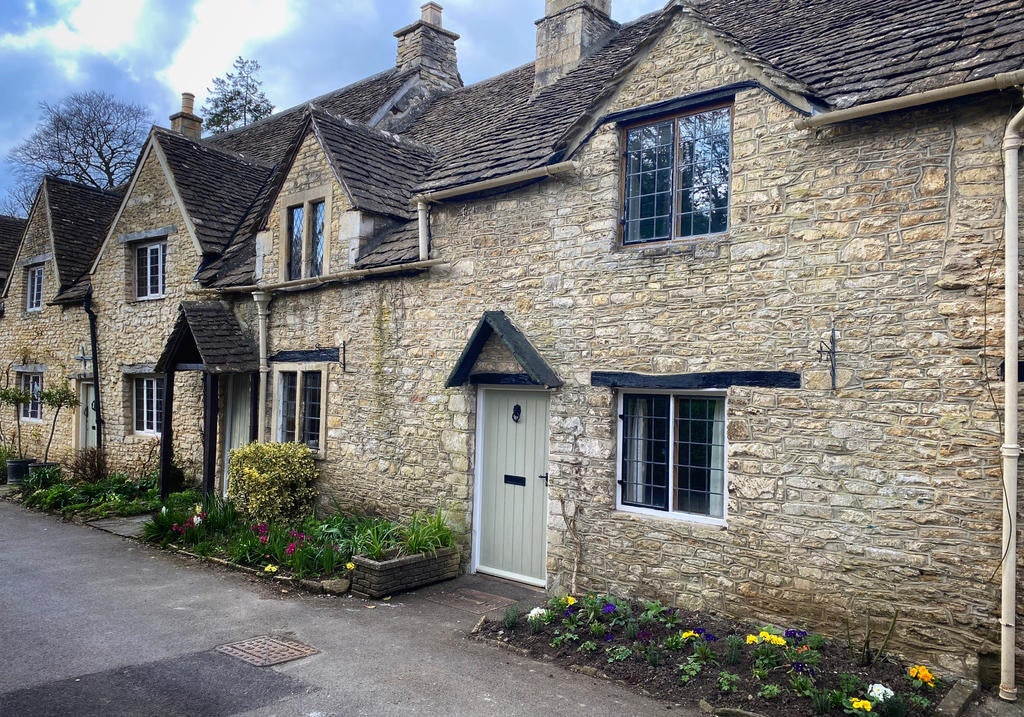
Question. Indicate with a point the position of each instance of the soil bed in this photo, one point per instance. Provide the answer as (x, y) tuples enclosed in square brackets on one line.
[(648, 665)]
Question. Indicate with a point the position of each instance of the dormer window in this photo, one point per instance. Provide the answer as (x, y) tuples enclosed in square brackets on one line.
[(677, 177), (150, 270), (306, 239), (34, 288)]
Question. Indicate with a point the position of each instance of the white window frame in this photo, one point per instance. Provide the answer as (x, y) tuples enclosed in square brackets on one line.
[(147, 292), (676, 189), (152, 388), (300, 369), (720, 446), (31, 381), (306, 201), (34, 288)]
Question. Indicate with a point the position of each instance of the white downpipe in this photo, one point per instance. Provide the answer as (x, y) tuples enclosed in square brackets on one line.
[(423, 209), (262, 299), (1011, 449)]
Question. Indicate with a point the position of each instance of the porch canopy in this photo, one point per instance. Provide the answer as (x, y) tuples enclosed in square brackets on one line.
[(206, 337), (535, 370)]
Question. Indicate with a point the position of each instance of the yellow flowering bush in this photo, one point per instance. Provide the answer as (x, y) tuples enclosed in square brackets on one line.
[(272, 482)]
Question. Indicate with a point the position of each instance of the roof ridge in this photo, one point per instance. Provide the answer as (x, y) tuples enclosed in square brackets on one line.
[(80, 185), (371, 129), (203, 145)]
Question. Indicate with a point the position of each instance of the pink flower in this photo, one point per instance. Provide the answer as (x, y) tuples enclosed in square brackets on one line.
[(291, 548), (263, 539)]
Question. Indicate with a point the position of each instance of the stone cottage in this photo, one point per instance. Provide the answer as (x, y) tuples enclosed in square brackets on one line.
[(706, 307), (45, 336)]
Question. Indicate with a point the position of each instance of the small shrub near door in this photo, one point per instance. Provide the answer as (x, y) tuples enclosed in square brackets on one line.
[(272, 482)]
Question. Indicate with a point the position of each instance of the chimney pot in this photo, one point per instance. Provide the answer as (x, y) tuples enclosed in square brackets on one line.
[(186, 122), (431, 14)]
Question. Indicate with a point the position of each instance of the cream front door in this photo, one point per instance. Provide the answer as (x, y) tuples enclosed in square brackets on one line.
[(87, 415), (237, 419), (512, 483)]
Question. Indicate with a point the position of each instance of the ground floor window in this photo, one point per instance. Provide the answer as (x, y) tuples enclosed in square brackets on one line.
[(672, 453), (149, 404), (300, 407), (32, 384)]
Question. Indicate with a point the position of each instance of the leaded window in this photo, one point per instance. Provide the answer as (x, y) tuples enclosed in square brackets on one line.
[(672, 453), (677, 177)]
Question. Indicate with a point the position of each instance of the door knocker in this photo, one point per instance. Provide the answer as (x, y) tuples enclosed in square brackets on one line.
[(517, 413)]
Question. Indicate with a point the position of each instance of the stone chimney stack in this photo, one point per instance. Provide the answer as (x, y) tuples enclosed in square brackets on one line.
[(427, 45), (185, 122), (569, 31)]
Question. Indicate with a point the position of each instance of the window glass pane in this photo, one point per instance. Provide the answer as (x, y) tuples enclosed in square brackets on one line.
[(648, 182), (645, 451), (311, 393), (141, 273), (296, 221), (33, 383), (158, 403), (703, 156), (316, 240), (289, 391), (700, 455), (34, 288)]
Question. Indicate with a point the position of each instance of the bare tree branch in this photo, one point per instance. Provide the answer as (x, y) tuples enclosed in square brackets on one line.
[(88, 137)]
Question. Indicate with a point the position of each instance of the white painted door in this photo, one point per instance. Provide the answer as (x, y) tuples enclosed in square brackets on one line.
[(512, 482), (87, 415), (236, 419)]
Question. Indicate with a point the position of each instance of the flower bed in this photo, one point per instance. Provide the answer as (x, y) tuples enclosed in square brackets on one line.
[(313, 548), (693, 658), (375, 579)]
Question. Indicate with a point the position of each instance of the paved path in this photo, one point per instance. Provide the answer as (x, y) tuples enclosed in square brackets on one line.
[(94, 624)]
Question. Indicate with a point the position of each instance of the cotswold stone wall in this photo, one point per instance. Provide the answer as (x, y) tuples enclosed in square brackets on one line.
[(882, 493), (49, 338), (132, 333)]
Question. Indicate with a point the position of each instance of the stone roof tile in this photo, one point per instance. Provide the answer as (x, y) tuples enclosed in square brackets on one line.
[(213, 330), (11, 229)]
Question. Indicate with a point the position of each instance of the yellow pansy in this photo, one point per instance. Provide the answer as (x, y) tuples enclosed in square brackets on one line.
[(350, 566)]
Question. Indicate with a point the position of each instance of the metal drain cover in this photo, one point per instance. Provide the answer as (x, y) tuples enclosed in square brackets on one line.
[(265, 650)]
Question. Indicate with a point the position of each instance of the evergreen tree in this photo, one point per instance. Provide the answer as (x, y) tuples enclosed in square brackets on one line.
[(236, 99)]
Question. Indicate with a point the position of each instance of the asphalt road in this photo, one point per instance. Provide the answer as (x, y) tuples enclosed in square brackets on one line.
[(95, 624)]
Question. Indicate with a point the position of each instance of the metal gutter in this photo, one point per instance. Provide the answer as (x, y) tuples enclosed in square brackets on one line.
[(1001, 81)]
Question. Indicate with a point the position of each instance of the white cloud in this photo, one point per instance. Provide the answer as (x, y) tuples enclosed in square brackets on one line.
[(83, 27), (220, 32)]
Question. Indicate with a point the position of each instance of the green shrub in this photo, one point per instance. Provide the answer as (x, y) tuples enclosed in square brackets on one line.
[(271, 482)]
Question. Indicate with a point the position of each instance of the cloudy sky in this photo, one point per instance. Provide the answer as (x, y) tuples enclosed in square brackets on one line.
[(150, 51)]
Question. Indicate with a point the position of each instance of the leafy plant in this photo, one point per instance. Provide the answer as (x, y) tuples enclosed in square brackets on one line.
[(733, 649), (618, 653), (690, 669), (511, 616), (57, 397), (426, 533), (851, 684), (728, 681), (272, 481), (15, 397), (88, 465), (587, 646), (769, 691)]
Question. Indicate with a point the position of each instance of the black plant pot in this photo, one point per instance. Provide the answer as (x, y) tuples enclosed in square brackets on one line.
[(17, 469)]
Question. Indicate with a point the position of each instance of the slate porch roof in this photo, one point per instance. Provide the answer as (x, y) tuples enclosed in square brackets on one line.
[(497, 323), (11, 229), (837, 53), (206, 332)]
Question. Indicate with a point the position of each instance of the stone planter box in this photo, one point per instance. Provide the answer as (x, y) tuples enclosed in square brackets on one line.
[(373, 579)]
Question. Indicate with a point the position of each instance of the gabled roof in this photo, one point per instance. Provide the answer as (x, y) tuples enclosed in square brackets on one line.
[(501, 126), (79, 218), (11, 229), (269, 140), (496, 323), (378, 170), (851, 52), (217, 187), (206, 332)]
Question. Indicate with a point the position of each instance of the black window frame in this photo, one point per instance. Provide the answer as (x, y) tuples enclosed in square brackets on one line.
[(666, 207)]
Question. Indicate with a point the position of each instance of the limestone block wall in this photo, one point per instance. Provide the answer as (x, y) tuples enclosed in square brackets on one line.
[(49, 339), (882, 493), (132, 332)]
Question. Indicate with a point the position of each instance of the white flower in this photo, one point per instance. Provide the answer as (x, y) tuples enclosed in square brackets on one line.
[(537, 613), (879, 693), (163, 511), (197, 520)]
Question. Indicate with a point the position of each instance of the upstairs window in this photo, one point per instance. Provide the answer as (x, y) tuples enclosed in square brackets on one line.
[(672, 454), (150, 270), (34, 288), (148, 405), (677, 177), (306, 239), (33, 384)]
